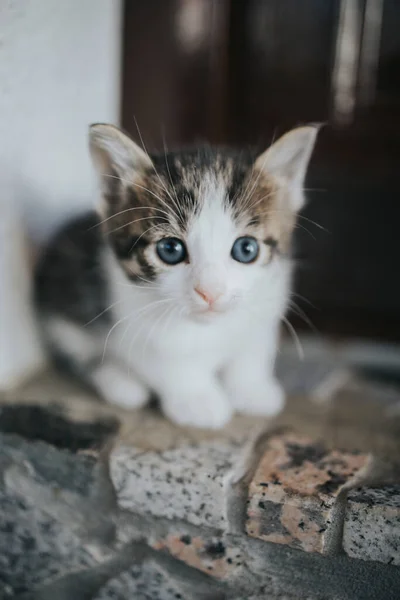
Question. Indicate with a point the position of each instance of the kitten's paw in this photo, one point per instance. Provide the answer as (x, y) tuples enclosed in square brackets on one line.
[(118, 387), (263, 398), (208, 408)]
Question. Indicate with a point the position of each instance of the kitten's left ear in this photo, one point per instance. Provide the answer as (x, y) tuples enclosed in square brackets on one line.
[(288, 158), (115, 154)]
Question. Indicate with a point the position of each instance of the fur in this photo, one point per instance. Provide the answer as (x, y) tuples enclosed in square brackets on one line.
[(202, 334)]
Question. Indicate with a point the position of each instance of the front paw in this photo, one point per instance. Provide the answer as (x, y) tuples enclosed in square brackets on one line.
[(207, 408), (263, 398), (118, 387)]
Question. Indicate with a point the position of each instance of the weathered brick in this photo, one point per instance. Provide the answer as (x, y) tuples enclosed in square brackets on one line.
[(294, 488), (372, 524)]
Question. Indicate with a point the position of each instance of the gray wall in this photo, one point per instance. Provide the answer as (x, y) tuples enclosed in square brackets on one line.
[(59, 71)]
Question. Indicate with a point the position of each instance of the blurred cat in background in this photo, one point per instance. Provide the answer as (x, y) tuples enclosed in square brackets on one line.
[(177, 285)]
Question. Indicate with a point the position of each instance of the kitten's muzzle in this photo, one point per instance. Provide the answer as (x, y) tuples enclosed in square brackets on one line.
[(206, 296)]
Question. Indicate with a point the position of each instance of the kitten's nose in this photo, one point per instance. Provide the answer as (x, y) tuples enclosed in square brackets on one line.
[(206, 296)]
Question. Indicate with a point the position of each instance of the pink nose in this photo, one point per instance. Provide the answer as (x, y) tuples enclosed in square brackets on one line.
[(206, 296)]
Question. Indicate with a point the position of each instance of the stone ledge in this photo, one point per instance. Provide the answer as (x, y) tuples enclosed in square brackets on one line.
[(65, 528), (52, 549)]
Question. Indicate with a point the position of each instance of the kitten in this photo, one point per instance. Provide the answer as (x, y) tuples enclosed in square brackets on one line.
[(179, 287)]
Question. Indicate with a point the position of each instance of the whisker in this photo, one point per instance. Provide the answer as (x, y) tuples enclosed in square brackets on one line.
[(108, 336), (135, 287), (295, 337), (148, 281), (139, 313), (144, 233), (126, 210), (141, 326), (252, 206), (271, 212), (263, 165), (155, 170), (102, 313), (249, 194), (278, 211), (138, 221), (299, 226), (239, 191), (167, 206), (313, 223), (160, 317), (170, 178), (138, 287), (300, 313), (142, 187), (143, 323), (121, 321), (303, 298), (168, 320)]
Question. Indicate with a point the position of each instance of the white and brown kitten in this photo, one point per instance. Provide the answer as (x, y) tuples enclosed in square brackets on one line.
[(179, 287)]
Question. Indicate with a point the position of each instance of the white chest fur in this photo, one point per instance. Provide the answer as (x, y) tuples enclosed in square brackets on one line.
[(174, 355)]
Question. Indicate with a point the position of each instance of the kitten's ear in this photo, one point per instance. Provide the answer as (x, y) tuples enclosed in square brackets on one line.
[(288, 158), (114, 153)]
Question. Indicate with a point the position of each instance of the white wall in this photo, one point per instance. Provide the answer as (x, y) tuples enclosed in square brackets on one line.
[(59, 71)]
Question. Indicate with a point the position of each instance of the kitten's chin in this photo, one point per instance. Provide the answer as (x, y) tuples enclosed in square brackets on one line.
[(207, 316)]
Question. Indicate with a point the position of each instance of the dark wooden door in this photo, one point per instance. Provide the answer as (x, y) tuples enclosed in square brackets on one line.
[(244, 71)]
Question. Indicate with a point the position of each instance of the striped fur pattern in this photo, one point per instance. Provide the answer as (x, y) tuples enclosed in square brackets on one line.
[(166, 197)]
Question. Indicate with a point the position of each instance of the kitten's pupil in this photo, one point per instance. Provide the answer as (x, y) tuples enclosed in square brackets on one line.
[(245, 249), (171, 251)]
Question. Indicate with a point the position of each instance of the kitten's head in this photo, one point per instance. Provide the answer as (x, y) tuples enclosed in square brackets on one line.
[(206, 226)]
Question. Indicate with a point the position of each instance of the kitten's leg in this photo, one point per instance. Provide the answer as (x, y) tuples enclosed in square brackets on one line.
[(249, 378), (192, 396), (117, 386), (80, 348)]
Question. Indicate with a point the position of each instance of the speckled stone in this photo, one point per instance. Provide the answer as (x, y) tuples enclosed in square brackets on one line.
[(188, 483), (372, 525), (293, 490), (34, 545), (213, 556), (144, 582), (278, 596)]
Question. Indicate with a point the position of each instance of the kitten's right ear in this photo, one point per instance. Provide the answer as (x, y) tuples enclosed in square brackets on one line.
[(114, 153)]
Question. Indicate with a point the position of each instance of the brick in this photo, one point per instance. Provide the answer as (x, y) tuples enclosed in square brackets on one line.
[(294, 489), (372, 524), (189, 483)]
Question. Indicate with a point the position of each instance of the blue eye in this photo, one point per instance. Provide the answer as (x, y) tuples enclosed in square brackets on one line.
[(171, 250), (245, 249)]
